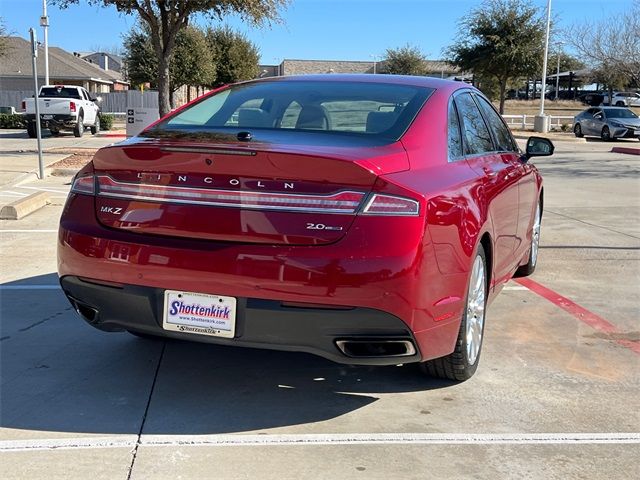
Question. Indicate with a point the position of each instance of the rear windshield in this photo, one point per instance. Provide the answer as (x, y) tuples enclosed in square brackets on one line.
[(362, 109), (60, 92)]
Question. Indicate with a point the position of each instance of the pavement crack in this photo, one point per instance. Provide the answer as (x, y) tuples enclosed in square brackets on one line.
[(40, 322), (591, 224), (146, 411)]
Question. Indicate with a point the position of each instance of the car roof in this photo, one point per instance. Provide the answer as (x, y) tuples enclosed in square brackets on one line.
[(429, 82)]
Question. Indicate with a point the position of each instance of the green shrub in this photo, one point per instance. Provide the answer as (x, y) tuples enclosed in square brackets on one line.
[(12, 121), (106, 121), (565, 127)]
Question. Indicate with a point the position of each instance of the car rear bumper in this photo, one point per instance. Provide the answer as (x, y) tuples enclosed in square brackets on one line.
[(57, 120), (259, 323), (390, 287)]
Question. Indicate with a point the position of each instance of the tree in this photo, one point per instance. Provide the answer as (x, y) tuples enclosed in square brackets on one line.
[(3, 33), (407, 60), (611, 46), (235, 57), (502, 39), (165, 18), (191, 64)]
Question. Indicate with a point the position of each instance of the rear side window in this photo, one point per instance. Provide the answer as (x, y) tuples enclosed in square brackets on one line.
[(474, 130), (502, 136), (453, 133)]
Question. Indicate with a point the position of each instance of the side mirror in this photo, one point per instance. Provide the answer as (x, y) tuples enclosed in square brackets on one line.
[(539, 147), (97, 99)]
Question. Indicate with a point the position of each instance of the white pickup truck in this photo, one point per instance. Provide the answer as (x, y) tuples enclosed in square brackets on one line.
[(63, 107)]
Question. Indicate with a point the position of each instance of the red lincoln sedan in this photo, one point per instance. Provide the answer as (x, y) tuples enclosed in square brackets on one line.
[(368, 219)]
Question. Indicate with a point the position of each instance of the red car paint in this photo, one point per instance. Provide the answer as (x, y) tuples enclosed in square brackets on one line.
[(414, 267)]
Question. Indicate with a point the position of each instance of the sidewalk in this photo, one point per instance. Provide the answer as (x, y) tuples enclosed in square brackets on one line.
[(19, 153)]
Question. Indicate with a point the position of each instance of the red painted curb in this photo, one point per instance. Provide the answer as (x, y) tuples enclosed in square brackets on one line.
[(585, 316), (629, 150)]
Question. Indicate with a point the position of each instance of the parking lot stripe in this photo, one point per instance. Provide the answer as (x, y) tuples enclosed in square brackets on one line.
[(324, 439), (28, 231), (580, 313), (30, 287)]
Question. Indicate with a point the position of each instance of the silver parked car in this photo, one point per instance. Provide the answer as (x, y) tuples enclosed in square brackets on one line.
[(607, 123)]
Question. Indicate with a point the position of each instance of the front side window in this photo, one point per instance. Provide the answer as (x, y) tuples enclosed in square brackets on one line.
[(474, 130), (504, 141), (356, 108)]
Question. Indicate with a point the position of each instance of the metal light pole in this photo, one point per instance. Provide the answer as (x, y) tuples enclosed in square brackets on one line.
[(558, 76), (34, 66), (375, 63), (541, 122), (44, 23)]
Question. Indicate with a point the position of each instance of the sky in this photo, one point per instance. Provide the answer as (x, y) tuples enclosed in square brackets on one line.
[(311, 29)]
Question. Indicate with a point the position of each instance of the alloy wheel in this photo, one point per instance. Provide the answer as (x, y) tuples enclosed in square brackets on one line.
[(535, 236), (475, 310)]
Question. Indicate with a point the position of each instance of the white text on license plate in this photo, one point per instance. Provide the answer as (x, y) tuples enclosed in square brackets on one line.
[(199, 313)]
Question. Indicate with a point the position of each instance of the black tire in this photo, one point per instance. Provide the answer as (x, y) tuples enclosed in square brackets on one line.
[(530, 267), (456, 366), (605, 135), (31, 130), (577, 130), (95, 128), (78, 130), (620, 103)]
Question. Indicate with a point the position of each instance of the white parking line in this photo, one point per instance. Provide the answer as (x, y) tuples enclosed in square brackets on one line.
[(28, 231), (324, 439), (40, 189), (30, 287), (514, 288)]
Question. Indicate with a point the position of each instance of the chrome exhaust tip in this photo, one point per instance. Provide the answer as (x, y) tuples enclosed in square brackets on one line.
[(371, 348)]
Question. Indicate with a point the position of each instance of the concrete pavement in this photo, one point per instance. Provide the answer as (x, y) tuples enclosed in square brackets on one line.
[(553, 398)]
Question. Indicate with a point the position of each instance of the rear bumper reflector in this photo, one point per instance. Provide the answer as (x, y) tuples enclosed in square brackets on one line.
[(345, 202)]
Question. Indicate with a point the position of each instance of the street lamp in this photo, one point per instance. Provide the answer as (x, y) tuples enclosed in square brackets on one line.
[(541, 121), (559, 47), (44, 23), (375, 62)]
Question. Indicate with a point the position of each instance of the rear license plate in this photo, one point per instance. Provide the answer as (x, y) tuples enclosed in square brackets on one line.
[(199, 313), (46, 117)]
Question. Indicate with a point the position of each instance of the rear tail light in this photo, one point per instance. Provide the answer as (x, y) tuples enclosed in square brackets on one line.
[(380, 204), (342, 202), (346, 202), (84, 185), (72, 106)]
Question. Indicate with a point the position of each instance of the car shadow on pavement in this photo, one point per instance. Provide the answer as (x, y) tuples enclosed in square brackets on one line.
[(59, 374)]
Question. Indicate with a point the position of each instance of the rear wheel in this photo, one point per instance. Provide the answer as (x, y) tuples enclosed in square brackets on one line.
[(31, 129), (530, 266), (577, 130), (605, 134), (78, 130), (620, 103), (95, 128), (463, 362)]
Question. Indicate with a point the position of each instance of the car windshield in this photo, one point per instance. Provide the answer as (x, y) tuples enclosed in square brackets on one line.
[(61, 92), (352, 108), (620, 113)]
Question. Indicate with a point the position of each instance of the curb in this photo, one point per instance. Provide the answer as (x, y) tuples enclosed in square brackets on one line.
[(25, 206), (522, 136), (627, 150)]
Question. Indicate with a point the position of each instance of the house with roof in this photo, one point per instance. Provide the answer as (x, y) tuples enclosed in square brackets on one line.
[(105, 60), (64, 68)]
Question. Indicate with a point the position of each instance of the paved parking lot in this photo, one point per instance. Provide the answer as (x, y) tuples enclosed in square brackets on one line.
[(557, 393)]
